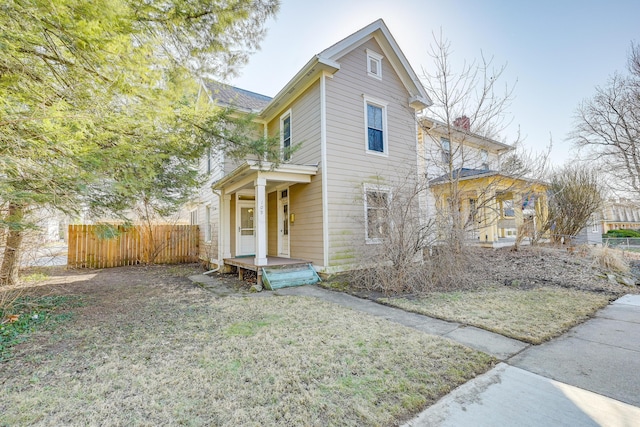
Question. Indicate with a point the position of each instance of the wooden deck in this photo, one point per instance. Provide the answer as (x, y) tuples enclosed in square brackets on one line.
[(248, 263)]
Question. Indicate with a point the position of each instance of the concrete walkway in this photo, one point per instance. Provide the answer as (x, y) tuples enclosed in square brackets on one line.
[(497, 345), (589, 376)]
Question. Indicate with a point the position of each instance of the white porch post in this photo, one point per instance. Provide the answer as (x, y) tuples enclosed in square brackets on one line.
[(261, 222), (225, 232)]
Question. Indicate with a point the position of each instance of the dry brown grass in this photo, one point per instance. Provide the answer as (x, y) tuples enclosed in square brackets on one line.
[(532, 315), (159, 351), (610, 259)]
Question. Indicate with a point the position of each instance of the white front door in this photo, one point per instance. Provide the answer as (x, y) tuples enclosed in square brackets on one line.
[(283, 223), (246, 231)]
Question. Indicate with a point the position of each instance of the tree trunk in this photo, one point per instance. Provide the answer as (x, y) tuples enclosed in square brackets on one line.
[(11, 259)]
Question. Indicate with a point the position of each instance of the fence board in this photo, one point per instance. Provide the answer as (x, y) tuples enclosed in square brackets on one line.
[(161, 244)]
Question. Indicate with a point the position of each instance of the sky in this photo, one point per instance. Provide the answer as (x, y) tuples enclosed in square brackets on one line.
[(556, 52)]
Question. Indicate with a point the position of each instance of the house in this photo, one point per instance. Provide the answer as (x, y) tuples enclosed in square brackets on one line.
[(620, 214), (352, 109), (471, 182)]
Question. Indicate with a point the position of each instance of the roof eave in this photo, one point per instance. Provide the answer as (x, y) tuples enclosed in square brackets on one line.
[(307, 74)]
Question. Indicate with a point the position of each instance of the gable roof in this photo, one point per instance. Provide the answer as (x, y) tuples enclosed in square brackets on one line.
[(379, 31), (328, 61), (231, 96)]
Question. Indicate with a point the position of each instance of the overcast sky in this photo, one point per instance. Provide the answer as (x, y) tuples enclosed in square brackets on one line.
[(556, 51)]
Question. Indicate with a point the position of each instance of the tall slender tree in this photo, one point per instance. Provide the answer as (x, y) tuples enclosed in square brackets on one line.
[(99, 105)]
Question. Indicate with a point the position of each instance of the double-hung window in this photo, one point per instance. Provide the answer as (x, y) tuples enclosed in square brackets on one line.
[(445, 144), (376, 207), (374, 64), (376, 124), (285, 125)]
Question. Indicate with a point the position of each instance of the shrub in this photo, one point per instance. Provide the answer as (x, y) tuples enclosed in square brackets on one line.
[(622, 233)]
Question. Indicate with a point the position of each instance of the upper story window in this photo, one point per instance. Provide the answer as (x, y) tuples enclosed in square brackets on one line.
[(374, 64), (376, 205), (484, 159), (445, 145), (209, 160), (285, 143), (376, 124)]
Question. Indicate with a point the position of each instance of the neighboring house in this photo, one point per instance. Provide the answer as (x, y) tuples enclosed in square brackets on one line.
[(619, 215), (591, 234), (494, 205), (352, 109)]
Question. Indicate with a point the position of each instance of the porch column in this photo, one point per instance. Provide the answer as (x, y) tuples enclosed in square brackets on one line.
[(517, 212), (261, 222), (225, 232)]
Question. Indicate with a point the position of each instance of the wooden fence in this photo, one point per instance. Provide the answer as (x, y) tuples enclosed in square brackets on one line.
[(102, 246)]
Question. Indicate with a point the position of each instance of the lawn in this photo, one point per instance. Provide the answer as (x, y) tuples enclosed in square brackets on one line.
[(149, 348), (531, 315)]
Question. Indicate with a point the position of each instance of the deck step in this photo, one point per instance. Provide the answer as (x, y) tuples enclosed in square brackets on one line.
[(287, 276)]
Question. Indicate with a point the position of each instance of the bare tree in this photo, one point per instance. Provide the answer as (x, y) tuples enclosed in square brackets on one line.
[(576, 193), (607, 127), (462, 158)]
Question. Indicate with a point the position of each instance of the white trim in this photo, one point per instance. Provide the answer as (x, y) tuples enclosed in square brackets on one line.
[(239, 205), (377, 59), (373, 188), (283, 117), (280, 217), (260, 221), (385, 137), (323, 168)]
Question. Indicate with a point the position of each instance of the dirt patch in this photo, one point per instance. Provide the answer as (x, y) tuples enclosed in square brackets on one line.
[(532, 267)]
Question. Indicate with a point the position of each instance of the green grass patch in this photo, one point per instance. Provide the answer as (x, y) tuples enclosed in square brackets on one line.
[(26, 314), (530, 315)]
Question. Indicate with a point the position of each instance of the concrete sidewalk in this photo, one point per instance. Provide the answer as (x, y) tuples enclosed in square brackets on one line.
[(589, 376), (497, 345)]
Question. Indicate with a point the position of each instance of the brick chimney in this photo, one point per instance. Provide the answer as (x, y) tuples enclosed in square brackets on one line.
[(463, 122)]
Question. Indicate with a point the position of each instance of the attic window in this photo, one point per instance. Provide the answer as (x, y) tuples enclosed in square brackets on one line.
[(374, 64)]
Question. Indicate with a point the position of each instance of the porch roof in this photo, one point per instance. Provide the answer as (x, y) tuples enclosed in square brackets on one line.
[(245, 175)]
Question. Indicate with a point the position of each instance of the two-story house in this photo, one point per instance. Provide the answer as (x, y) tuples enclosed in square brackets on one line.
[(352, 110), (472, 191)]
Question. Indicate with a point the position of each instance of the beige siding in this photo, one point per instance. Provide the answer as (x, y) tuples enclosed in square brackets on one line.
[(305, 126), (349, 165), (305, 234), (305, 200)]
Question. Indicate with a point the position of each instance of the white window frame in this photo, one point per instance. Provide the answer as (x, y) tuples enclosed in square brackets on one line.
[(385, 139), (374, 58), (378, 189), (283, 117), (484, 158), (193, 217), (595, 227), (207, 224), (446, 153)]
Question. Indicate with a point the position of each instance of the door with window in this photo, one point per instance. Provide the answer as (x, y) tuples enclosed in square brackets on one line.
[(283, 223), (246, 231)]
